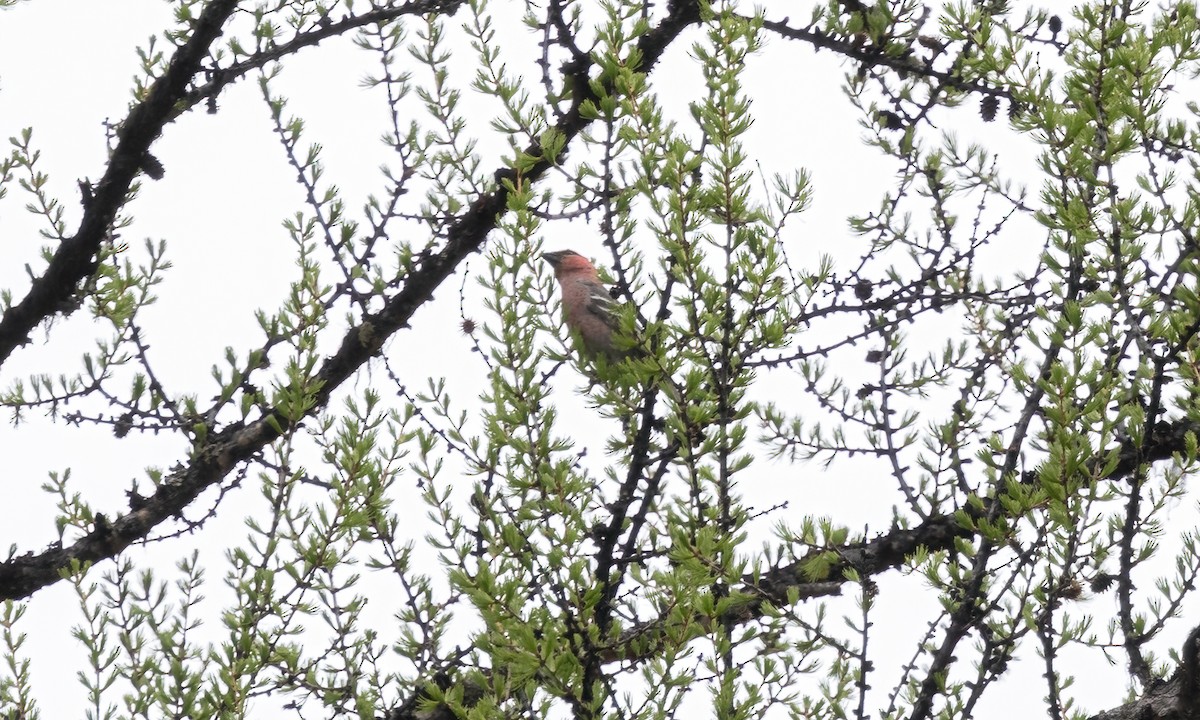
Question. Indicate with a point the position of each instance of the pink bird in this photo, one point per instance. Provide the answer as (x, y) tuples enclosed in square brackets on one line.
[(591, 313), (587, 307)]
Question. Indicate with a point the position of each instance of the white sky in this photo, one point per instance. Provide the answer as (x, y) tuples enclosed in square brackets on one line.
[(67, 65)]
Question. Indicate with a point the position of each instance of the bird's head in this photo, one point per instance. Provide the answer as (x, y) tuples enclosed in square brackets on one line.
[(566, 261)]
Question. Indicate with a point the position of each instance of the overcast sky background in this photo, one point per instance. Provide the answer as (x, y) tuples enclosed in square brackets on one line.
[(67, 65)]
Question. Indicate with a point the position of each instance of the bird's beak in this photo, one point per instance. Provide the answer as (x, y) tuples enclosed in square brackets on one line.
[(554, 258)]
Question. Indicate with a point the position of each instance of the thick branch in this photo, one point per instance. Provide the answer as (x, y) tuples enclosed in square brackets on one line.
[(75, 258), (168, 99), (887, 552)]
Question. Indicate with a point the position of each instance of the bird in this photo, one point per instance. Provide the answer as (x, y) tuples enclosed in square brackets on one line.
[(593, 316), (588, 309)]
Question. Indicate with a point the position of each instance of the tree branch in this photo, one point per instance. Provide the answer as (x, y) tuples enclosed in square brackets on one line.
[(223, 77), (870, 56), (75, 258)]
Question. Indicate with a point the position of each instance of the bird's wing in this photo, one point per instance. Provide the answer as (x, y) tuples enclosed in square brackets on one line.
[(601, 304)]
